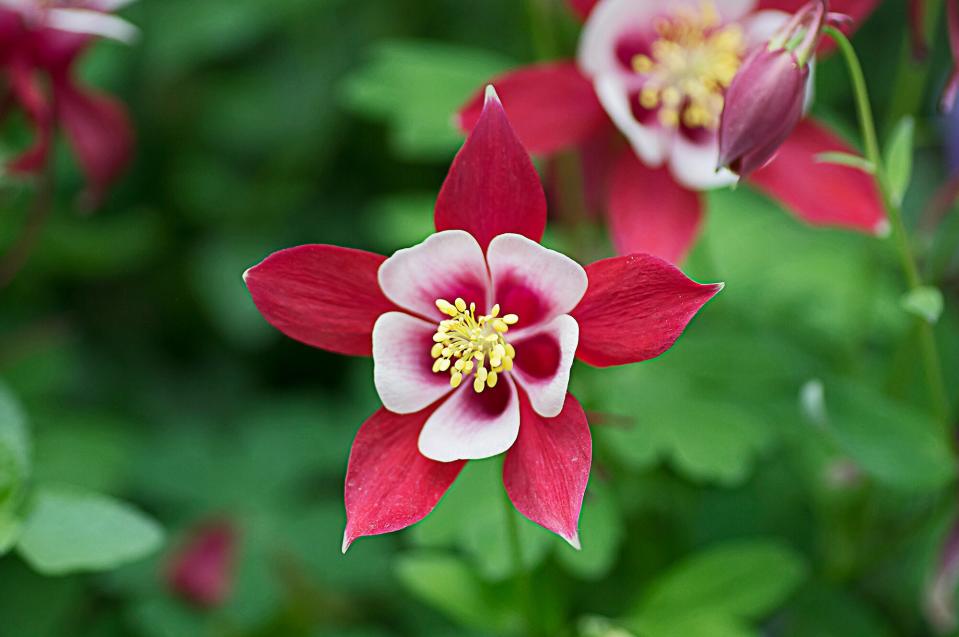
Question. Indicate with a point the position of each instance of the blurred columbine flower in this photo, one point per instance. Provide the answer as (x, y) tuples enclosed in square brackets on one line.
[(948, 100), (765, 100), (40, 41), (659, 72), (201, 570), (472, 334)]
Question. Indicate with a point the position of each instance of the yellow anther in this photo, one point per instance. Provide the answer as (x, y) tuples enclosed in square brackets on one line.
[(466, 342), (689, 66)]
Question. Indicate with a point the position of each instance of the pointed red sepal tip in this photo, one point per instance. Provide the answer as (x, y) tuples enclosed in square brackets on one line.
[(389, 483), (635, 308), (546, 470), (492, 187)]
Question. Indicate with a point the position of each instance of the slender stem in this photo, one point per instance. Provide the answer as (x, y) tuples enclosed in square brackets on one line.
[(927, 342), (522, 574), (19, 253), (541, 27)]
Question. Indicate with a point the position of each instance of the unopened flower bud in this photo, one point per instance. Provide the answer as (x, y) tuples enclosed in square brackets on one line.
[(763, 105), (201, 570), (766, 98)]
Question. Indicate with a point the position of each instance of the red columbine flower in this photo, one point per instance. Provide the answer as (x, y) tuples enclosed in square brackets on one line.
[(473, 333), (39, 43), (201, 570), (766, 98), (948, 100), (659, 72)]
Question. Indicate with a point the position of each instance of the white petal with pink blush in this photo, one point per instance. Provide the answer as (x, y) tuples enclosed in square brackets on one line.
[(447, 265), (402, 364), (533, 282), (543, 362), (471, 425)]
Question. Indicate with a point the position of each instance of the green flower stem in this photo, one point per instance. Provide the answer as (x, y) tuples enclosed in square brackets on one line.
[(524, 585), (927, 341)]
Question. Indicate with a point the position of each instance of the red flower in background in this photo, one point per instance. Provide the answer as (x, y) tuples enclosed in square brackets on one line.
[(472, 334), (658, 72), (39, 45), (201, 570)]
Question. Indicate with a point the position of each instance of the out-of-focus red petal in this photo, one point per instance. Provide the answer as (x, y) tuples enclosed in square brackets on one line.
[(324, 296), (492, 187), (389, 483), (651, 212), (551, 106), (820, 193), (635, 308), (201, 570), (582, 8), (547, 468), (99, 131), (30, 97)]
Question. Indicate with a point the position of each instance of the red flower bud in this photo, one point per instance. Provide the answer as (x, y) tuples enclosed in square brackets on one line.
[(763, 105), (201, 570)]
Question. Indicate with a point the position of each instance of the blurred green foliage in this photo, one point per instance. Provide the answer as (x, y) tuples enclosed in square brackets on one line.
[(776, 473)]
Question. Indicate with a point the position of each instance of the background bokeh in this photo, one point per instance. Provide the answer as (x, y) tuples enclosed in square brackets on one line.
[(774, 474)]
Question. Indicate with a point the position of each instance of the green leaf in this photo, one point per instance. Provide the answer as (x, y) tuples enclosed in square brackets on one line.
[(696, 623), (925, 302), (892, 442), (601, 530), (449, 585), (68, 530), (899, 159), (14, 445), (742, 580), (418, 87), (846, 159)]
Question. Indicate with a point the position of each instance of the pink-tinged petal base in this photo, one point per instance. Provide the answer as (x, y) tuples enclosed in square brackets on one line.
[(402, 365), (546, 471), (492, 187), (543, 361), (99, 132), (820, 193), (533, 282), (635, 309), (324, 296), (551, 106), (389, 483), (446, 265), (650, 212), (470, 426)]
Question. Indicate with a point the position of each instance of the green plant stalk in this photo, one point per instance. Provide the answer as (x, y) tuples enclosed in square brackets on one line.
[(927, 340), (524, 585)]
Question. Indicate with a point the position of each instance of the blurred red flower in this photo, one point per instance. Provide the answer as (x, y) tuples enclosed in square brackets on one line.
[(40, 43), (201, 570), (658, 72)]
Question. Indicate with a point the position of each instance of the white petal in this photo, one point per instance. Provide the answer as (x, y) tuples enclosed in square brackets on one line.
[(694, 165), (649, 142), (547, 394), (91, 23), (112, 5), (761, 26), (447, 265), (532, 280), (402, 365), (470, 426)]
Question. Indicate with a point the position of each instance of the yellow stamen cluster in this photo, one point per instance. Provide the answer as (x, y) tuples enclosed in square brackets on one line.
[(466, 343), (690, 66)]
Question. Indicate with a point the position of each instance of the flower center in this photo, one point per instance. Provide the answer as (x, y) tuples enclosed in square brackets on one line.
[(689, 67), (467, 344)]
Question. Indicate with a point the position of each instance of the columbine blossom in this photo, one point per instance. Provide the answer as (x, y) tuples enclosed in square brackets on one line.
[(658, 73), (473, 333), (40, 42), (201, 570)]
